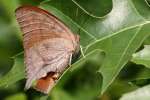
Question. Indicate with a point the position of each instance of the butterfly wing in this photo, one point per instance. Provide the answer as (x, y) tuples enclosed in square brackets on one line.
[(38, 24), (45, 58), (48, 44)]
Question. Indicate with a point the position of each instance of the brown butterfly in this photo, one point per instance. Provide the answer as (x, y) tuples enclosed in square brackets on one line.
[(48, 44)]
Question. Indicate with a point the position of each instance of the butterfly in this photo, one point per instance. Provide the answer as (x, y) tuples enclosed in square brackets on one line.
[(48, 46)]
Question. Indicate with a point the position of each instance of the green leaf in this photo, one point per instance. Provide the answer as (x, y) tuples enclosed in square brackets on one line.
[(144, 74), (142, 57), (60, 94), (147, 41), (139, 94), (120, 87), (118, 34), (16, 73), (86, 82), (18, 96), (89, 7)]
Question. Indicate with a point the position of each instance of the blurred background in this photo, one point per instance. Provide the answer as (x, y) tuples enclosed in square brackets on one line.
[(81, 85)]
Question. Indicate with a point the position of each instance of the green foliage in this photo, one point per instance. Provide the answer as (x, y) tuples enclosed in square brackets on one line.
[(139, 94), (110, 33), (118, 34), (19, 96), (143, 56), (15, 74)]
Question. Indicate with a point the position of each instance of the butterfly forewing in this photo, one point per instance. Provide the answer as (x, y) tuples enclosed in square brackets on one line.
[(48, 46)]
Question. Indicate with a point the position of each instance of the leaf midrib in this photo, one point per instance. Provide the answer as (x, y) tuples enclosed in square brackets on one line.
[(122, 30)]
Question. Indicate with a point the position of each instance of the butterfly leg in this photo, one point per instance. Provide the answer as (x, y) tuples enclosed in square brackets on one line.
[(82, 51), (70, 59)]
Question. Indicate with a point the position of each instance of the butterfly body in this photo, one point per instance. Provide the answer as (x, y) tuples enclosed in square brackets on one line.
[(48, 45)]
